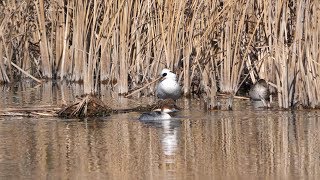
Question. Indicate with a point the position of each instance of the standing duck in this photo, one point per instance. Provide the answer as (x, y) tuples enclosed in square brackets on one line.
[(168, 88)]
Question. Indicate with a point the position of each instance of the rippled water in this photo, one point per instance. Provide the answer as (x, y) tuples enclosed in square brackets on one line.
[(238, 144)]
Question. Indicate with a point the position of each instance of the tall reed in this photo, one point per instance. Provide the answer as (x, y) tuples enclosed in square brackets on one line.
[(214, 46)]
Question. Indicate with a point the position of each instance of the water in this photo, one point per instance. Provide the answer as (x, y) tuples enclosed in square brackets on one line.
[(239, 144)]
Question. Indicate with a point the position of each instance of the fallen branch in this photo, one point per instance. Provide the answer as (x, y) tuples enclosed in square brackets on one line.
[(30, 112), (24, 109), (235, 97), (140, 89), (26, 73)]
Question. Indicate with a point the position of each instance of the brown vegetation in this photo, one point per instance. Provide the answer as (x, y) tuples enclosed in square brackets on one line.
[(214, 46), (86, 106)]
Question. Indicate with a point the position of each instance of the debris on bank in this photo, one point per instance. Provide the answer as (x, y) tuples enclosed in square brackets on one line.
[(86, 106)]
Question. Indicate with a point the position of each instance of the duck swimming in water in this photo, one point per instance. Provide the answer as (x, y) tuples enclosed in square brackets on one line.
[(162, 113), (168, 88), (260, 91)]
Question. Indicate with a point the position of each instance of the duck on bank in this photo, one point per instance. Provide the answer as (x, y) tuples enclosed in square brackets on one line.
[(168, 88)]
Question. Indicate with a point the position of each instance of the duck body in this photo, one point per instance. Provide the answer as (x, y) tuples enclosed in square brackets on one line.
[(166, 107), (154, 115), (168, 88), (259, 91)]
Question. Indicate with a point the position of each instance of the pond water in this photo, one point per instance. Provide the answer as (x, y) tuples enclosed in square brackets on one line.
[(243, 143)]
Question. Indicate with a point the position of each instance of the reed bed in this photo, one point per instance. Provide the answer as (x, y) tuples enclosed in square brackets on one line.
[(214, 46)]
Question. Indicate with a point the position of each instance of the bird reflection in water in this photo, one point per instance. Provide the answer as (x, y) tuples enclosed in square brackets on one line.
[(169, 137)]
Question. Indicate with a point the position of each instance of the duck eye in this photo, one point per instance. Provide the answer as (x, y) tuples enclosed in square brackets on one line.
[(164, 74)]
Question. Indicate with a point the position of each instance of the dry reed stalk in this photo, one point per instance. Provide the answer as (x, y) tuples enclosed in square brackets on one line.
[(210, 93), (79, 53), (248, 61), (232, 64), (89, 64), (124, 21), (108, 33), (136, 64), (61, 27), (62, 39), (279, 54), (26, 62), (170, 23), (238, 60), (105, 60), (46, 66), (293, 65), (312, 52), (188, 46), (3, 74), (307, 65)]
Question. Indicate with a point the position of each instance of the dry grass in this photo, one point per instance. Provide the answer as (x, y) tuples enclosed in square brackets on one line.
[(214, 46)]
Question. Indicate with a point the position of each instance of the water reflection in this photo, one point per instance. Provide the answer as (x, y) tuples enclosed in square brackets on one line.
[(167, 131), (243, 143), (169, 135)]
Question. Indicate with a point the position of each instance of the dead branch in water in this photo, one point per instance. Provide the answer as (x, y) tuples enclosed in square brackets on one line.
[(42, 111)]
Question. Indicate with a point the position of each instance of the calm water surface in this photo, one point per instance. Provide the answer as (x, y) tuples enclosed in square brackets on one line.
[(243, 143)]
